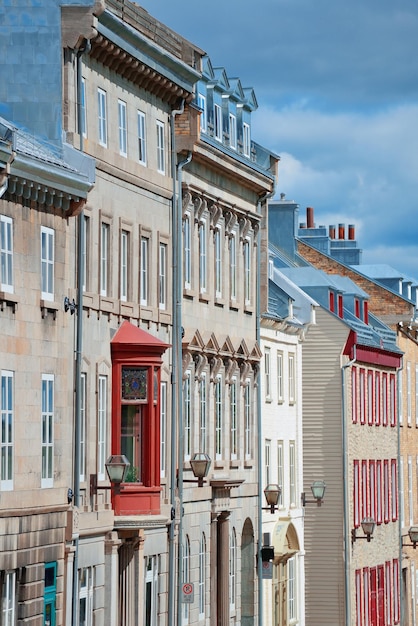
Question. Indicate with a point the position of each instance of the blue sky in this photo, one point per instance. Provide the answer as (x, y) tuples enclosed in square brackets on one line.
[(337, 88)]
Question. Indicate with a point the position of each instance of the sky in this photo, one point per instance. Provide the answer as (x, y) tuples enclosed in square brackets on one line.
[(337, 88)]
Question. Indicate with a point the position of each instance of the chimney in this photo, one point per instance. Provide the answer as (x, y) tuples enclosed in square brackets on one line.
[(310, 217), (351, 232), (331, 232), (341, 231)]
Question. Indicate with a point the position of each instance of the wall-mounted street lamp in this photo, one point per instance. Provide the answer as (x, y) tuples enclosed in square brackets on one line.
[(200, 464), (318, 492), (117, 466), (272, 494), (413, 536), (367, 525)]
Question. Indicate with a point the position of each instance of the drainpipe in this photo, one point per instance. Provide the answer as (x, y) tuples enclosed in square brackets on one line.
[(347, 534), (176, 348), (398, 428)]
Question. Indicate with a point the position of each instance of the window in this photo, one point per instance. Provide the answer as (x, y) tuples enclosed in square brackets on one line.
[(246, 140), (365, 312), (386, 491), (232, 131), (218, 263), (233, 267), (142, 141), (102, 115), (400, 395), (292, 473), (362, 397), (366, 598), (401, 501), (388, 592), (151, 591), (384, 399), (359, 621), (202, 257), (372, 489), (162, 277), (143, 288), (247, 420), (267, 461), (280, 471), (218, 418), (104, 259), (280, 377), (247, 272), (416, 395), (267, 373), (85, 251), (354, 416), (392, 400), (163, 428), (394, 490), (218, 122), (6, 254), (233, 418), (364, 490), (123, 130), (291, 589), (202, 414), (101, 426), (187, 252), (357, 307), (332, 301), (187, 417), (202, 576), (124, 255), (356, 493), (83, 425), (292, 379), (83, 102), (160, 147), (186, 578), (370, 404), (8, 598), (408, 394), (85, 596), (47, 421), (47, 263), (340, 306), (7, 430), (232, 571), (379, 490), (377, 399), (395, 580), (201, 102), (410, 493)]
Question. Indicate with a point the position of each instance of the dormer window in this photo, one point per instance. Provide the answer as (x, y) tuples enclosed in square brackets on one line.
[(218, 122), (201, 101), (246, 139), (365, 312), (357, 307), (232, 131), (332, 302), (340, 305)]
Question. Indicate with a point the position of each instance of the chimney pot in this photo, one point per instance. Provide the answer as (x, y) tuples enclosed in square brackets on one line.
[(341, 231), (310, 217), (351, 232), (331, 231)]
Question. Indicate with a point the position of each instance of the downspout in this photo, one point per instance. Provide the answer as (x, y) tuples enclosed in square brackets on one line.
[(176, 346), (398, 428), (347, 534), (79, 342), (180, 388), (265, 199)]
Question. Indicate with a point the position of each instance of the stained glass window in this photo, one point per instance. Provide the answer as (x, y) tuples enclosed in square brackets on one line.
[(134, 383)]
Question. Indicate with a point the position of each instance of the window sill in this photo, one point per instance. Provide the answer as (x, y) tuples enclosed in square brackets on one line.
[(48, 306), (204, 297), (219, 302), (219, 464), (8, 299), (248, 463), (234, 464)]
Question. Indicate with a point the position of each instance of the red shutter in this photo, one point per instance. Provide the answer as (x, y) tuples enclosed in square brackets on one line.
[(373, 597), (381, 595)]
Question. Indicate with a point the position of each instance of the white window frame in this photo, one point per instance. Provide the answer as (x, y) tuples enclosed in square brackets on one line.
[(203, 414), (83, 425), (7, 434), (232, 571), (6, 254), (267, 373), (408, 394), (123, 128), (187, 251), (124, 264), (8, 599), (247, 421), (86, 593), (279, 378), (267, 461), (186, 578), (416, 393), (201, 103), (410, 493), (202, 257), (151, 579), (246, 139), (47, 263), (160, 146), (202, 577), (217, 122), (292, 474), (162, 277), (233, 267), (292, 377), (232, 131), (85, 251), (104, 258), (142, 138), (247, 271), (102, 116), (219, 418), (102, 425), (143, 287), (187, 416), (163, 428), (233, 417), (47, 430), (83, 104), (292, 590), (217, 241), (280, 471)]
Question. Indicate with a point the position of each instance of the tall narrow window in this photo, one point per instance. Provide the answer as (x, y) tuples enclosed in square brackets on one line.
[(186, 577), (292, 379), (247, 420), (370, 403), (280, 377), (47, 263), (101, 426), (232, 571), (85, 252), (102, 117), (85, 596), (104, 259), (123, 129), (386, 491), (143, 288), (187, 417), (267, 461), (218, 122), (366, 597), (202, 414), (377, 399), (83, 425), (83, 120), (234, 418), (372, 489), (267, 373), (246, 137), (396, 593), (232, 131), (416, 395), (201, 101), (379, 492), (354, 415), (400, 377), (392, 399), (47, 421), (162, 277), (359, 620), (394, 490), (187, 252), (163, 428), (233, 267), (356, 493), (292, 473), (280, 470), (385, 410), (218, 263), (7, 430), (218, 418), (160, 147), (410, 492), (142, 140), (247, 272), (202, 257), (291, 589), (151, 591), (6, 254), (388, 593), (362, 393), (202, 576), (408, 394), (8, 598), (124, 255)]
